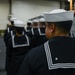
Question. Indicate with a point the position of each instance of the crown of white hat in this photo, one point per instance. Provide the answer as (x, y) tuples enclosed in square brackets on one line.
[(58, 15), (29, 21), (18, 23), (13, 19), (41, 20), (35, 20)]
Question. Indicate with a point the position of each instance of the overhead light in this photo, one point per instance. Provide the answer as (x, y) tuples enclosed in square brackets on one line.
[(68, 0)]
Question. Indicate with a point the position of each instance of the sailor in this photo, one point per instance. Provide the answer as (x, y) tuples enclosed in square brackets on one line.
[(41, 26), (41, 29), (7, 35), (56, 56), (35, 39), (10, 27), (28, 28), (39, 38), (17, 47), (34, 29), (29, 25)]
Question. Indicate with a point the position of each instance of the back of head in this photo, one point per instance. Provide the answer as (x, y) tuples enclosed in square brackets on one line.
[(35, 23), (41, 22), (29, 23), (61, 18), (19, 30), (19, 26)]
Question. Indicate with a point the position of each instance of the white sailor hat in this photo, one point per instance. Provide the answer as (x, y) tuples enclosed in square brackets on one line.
[(13, 19), (35, 20), (29, 21), (58, 15), (41, 20), (18, 23)]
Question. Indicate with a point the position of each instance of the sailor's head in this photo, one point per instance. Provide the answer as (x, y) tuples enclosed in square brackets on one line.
[(29, 23), (19, 26), (58, 22), (35, 23), (41, 22)]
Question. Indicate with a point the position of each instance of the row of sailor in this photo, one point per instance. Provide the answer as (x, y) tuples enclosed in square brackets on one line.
[(19, 41)]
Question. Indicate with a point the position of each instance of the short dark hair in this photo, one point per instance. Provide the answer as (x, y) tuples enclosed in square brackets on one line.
[(12, 22), (19, 29), (29, 24), (64, 26)]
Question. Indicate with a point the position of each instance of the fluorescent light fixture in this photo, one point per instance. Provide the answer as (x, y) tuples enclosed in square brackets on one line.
[(68, 0)]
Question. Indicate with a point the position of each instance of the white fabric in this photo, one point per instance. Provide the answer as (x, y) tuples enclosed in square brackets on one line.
[(18, 23), (42, 20), (35, 20), (8, 30), (40, 33), (32, 31), (58, 15), (29, 21), (12, 33), (13, 19), (57, 11)]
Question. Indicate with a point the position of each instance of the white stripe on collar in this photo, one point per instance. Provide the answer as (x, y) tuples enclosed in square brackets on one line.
[(40, 32), (23, 33), (8, 30), (12, 33), (32, 31), (71, 34), (27, 30), (22, 45), (52, 66)]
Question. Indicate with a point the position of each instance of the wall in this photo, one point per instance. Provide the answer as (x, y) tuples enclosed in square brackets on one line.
[(25, 10), (4, 12)]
